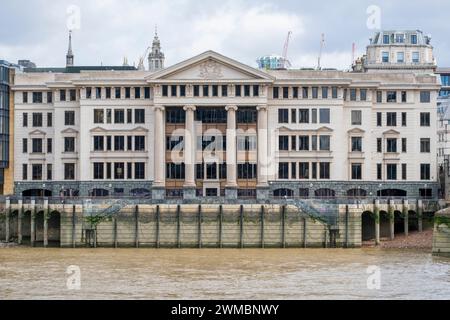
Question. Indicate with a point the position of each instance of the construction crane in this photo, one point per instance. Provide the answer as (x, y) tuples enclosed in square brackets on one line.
[(141, 65), (287, 63), (322, 45)]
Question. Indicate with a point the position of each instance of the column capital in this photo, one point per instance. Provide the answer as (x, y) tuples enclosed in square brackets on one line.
[(262, 107), (231, 108), (189, 108), (159, 107)]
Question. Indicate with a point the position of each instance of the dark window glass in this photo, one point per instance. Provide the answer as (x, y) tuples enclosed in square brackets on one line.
[(425, 145), (49, 145), (315, 92), (24, 145), (334, 92), (283, 170), (379, 119), (356, 171), (379, 96), (276, 92), (119, 143), (25, 119), (25, 97), (285, 92), (303, 143), (99, 116), (324, 92), (119, 170), (304, 170), (283, 144), (73, 95), (356, 144), (99, 170), (69, 171), (139, 143), (24, 172), (36, 145), (139, 116), (324, 170), (404, 145), (392, 96), (325, 116), (99, 143), (137, 93), (303, 116), (119, 116), (69, 144), (62, 95), (37, 97), (404, 119), (175, 115), (425, 97), (391, 145), (379, 171), (391, 119), (425, 171), (129, 116), (49, 119), (391, 172), (37, 119), (36, 171), (69, 118), (425, 119)]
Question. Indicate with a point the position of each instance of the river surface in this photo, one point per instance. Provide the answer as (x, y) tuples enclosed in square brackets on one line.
[(27, 273)]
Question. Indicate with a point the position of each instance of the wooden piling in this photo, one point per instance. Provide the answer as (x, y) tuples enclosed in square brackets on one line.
[(33, 223), (377, 222), (179, 227), (200, 226), (46, 217), (406, 217), (262, 227), (74, 224), (221, 227), (241, 227), (136, 234), (116, 244), (7, 216), (420, 215), (158, 218), (19, 222), (347, 213), (283, 227), (305, 234), (391, 220)]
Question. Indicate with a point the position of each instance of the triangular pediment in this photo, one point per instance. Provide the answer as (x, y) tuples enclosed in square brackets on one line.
[(356, 131), (98, 129), (37, 133), (210, 66), (391, 132), (325, 129), (140, 129), (69, 131)]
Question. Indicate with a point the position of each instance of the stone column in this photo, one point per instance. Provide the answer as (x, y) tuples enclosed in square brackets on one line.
[(231, 186), (19, 221), (46, 216), (406, 217), (377, 222), (420, 215), (7, 216), (158, 191), (33, 223), (189, 153), (263, 159), (391, 220)]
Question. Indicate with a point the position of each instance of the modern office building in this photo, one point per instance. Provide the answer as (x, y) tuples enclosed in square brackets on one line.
[(443, 132), (211, 126)]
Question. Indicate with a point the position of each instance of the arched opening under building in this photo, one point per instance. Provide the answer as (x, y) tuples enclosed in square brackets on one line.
[(99, 193), (37, 193), (325, 193), (26, 227), (281, 193), (54, 229), (385, 227), (413, 221), (368, 226), (13, 225), (357, 193), (428, 220), (399, 223), (392, 193), (141, 192), (69, 193)]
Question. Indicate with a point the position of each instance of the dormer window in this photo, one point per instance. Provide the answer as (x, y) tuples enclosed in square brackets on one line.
[(386, 39), (399, 38), (400, 57), (413, 39)]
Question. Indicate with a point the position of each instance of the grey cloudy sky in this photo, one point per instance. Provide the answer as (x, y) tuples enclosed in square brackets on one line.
[(241, 29)]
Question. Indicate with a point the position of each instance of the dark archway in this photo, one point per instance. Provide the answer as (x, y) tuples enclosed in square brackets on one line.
[(356, 193), (281, 193), (413, 221), (325, 193), (26, 227), (367, 226), (39, 228), (141, 192), (37, 193), (100, 193), (392, 193), (54, 229), (385, 226), (399, 223), (13, 225)]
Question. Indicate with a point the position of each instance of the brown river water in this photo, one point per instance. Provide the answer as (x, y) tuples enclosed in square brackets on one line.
[(276, 274)]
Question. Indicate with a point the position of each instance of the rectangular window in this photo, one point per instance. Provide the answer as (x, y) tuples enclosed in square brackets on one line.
[(99, 116), (404, 145), (25, 97), (118, 93), (294, 143), (385, 57), (139, 143), (324, 170), (379, 171), (73, 95), (130, 143), (24, 145), (293, 170), (283, 170), (108, 92), (165, 91), (425, 145), (119, 143), (129, 171), (379, 96), (127, 93), (304, 170), (386, 39), (225, 91), (363, 95), (283, 116), (147, 93), (295, 92), (305, 92), (314, 143), (425, 119), (391, 172), (215, 90), (413, 39), (256, 91), (129, 116), (324, 143), (404, 96), (334, 92), (62, 95), (324, 92), (69, 144), (99, 169), (293, 116), (49, 172), (137, 93), (314, 115), (283, 143), (89, 93), (391, 145), (108, 170), (303, 142), (325, 116), (379, 145), (315, 92), (425, 97), (119, 116), (37, 119), (36, 145), (49, 119), (352, 94), (98, 93), (119, 171), (356, 144), (379, 119), (196, 91), (24, 172), (404, 171), (356, 117), (400, 57), (404, 119), (415, 57), (37, 97), (276, 93), (36, 171), (173, 91), (108, 143), (356, 171), (69, 171), (285, 92), (139, 171), (391, 96), (25, 119), (314, 170), (69, 118), (303, 116), (99, 143), (206, 90), (391, 119), (49, 145), (425, 171)]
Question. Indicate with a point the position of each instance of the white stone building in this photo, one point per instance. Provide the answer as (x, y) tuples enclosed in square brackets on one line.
[(94, 131)]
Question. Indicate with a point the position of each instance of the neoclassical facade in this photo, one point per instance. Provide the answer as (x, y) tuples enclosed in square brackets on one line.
[(213, 127)]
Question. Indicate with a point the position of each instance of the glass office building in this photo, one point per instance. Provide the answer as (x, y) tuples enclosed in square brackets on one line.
[(5, 69)]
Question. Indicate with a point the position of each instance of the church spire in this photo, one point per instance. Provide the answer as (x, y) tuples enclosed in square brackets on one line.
[(156, 57), (70, 56)]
